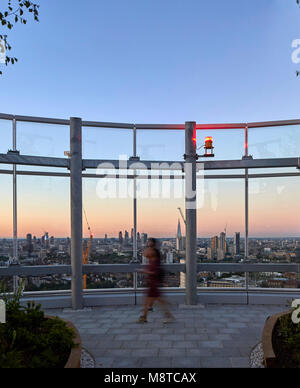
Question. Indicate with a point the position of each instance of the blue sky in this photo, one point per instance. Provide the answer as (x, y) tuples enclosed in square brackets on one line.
[(156, 61), (153, 61)]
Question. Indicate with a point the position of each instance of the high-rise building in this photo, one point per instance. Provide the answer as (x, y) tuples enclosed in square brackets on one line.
[(120, 238), (131, 235), (144, 238), (34, 242), (29, 245), (46, 240), (126, 237), (236, 243), (222, 242), (220, 254), (179, 239), (214, 244), (138, 238), (52, 242), (209, 255)]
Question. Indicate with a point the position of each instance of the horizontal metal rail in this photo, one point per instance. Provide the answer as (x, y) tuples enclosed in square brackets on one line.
[(169, 290), (17, 159), (19, 270), (172, 177), (27, 160), (177, 165), (55, 121)]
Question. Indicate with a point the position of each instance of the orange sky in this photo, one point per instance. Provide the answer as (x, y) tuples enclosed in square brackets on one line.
[(43, 205)]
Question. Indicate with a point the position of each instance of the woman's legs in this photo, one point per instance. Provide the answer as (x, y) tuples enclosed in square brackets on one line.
[(164, 305), (148, 303)]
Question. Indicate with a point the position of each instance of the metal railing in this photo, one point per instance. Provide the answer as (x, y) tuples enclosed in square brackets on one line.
[(246, 163)]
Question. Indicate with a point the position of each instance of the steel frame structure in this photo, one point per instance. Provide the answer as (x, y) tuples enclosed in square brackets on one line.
[(77, 165)]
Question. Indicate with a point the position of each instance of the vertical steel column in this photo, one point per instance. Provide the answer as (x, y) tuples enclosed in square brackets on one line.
[(134, 201), (76, 211), (15, 209), (246, 196), (135, 274), (246, 213), (190, 212)]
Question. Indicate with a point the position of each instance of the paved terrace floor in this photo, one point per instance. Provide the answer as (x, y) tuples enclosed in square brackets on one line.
[(216, 336)]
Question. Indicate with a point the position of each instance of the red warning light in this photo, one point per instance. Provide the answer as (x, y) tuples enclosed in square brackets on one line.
[(209, 143)]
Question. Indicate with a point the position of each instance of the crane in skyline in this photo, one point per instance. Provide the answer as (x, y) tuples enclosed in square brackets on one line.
[(86, 250), (180, 211)]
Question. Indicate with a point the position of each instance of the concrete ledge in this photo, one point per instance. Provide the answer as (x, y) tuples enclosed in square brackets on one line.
[(273, 298)]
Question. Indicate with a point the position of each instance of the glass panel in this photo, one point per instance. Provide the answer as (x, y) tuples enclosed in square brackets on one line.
[(161, 145), (274, 280), (220, 216), (110, 280), (6, 210), (106, 143), (6, 136), (43, 220), (108, 214), (229, 144), (158, 205), (274, 210), (48, 283), (221, 280), (43, 139), (171, 279), (274, 142)]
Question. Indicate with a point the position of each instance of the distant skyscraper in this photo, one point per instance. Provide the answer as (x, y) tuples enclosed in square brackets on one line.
[(236, 243), (214, 246), (126, 237), (144, 238), (179, 239), (29, 245), (131, 235), (45, 240), (138, 238), (120, 238), (220, 254), (222, 241)]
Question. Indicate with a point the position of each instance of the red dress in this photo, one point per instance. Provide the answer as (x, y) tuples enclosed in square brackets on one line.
[(153, 278)]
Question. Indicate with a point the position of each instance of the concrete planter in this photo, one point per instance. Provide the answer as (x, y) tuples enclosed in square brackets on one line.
[(75, 355), (270, 360)]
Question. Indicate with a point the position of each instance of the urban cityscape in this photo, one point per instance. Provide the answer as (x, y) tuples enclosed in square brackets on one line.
[(221, 248), (150, 171)]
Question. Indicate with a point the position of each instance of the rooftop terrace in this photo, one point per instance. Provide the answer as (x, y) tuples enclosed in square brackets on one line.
[(209, 337)]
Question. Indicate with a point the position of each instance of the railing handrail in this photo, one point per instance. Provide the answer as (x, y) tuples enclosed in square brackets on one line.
[(95, 124), (42, 270)]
